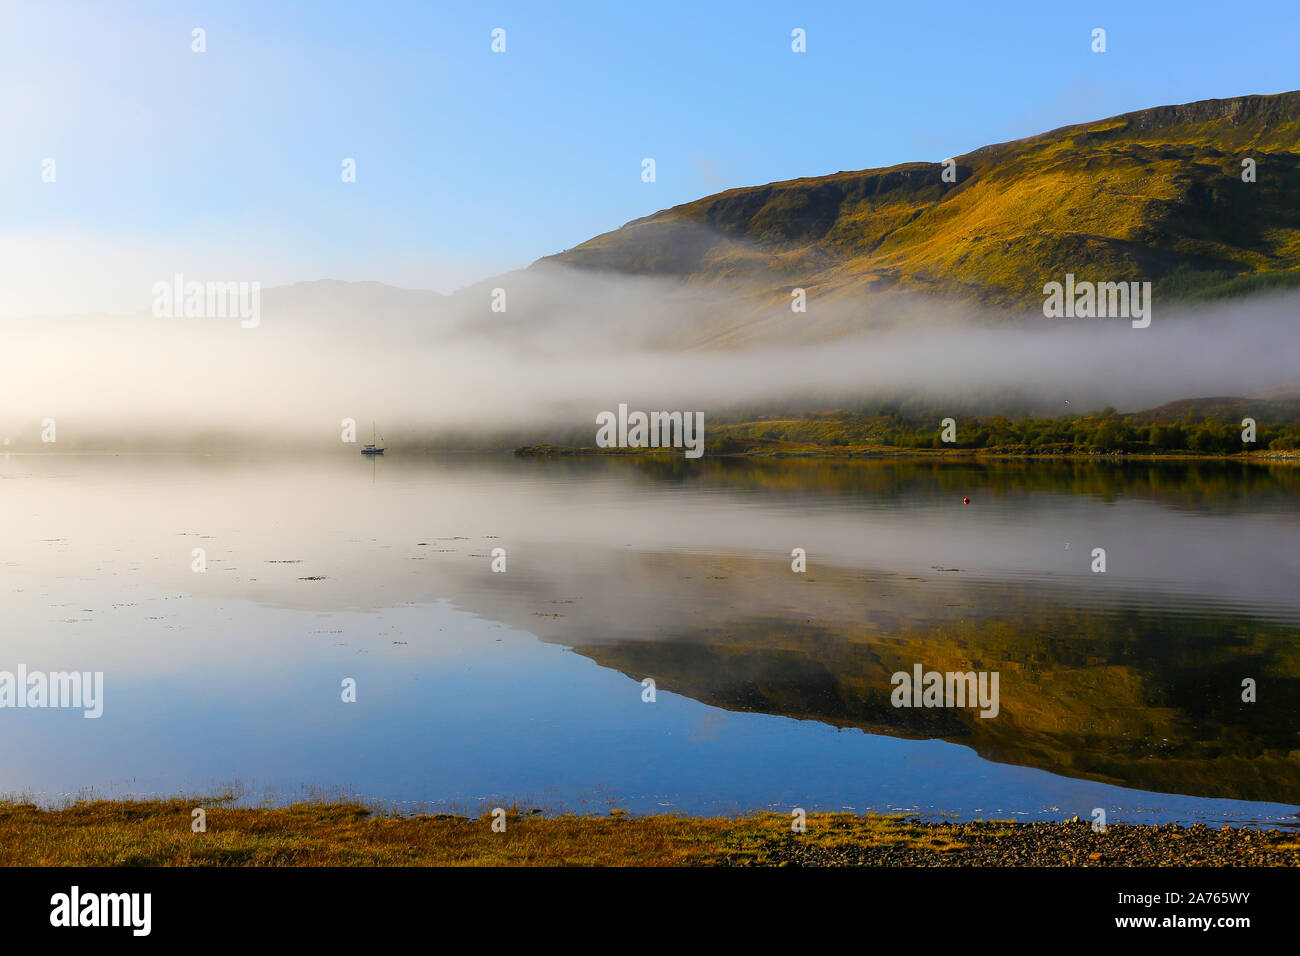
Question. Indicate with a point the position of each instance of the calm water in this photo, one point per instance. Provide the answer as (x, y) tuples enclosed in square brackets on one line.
[(1119, 690)]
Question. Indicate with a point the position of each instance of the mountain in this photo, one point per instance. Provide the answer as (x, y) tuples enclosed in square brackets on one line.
[(1152, 195)]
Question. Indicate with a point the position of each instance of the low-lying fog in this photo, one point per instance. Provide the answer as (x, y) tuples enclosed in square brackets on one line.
[(570, 344)]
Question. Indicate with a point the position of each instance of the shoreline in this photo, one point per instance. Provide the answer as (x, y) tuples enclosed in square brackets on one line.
[(893, 453), (163, 833)]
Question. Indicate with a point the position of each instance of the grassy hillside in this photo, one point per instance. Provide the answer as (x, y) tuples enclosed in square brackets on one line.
[(1152, 195)]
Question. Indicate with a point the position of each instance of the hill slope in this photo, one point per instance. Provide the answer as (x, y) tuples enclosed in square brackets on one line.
[(1155, 195)]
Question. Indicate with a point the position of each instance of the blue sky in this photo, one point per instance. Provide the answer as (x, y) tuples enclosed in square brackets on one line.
[(470, 163)]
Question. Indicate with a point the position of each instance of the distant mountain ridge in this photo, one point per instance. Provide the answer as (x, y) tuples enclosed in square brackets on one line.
[(1155, 194)]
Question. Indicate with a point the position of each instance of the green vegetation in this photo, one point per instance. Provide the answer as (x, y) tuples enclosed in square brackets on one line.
[(1187, 283), (158, 833), (1153, 195), (1105, 432), (1194, 427)]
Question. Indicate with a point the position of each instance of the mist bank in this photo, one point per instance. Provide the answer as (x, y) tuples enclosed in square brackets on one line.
[(448, 371)]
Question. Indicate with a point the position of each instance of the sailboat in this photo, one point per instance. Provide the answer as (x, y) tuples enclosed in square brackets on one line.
[(373, 448)]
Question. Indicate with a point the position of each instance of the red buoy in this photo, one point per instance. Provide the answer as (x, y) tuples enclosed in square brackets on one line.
[(965, 501)]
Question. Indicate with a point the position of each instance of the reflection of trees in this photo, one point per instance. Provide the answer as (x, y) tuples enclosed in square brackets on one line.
[(1142, 694), (1142, 699), (1214, 485)]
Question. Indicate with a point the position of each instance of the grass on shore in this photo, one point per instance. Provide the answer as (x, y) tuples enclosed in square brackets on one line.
[(158, 833)]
